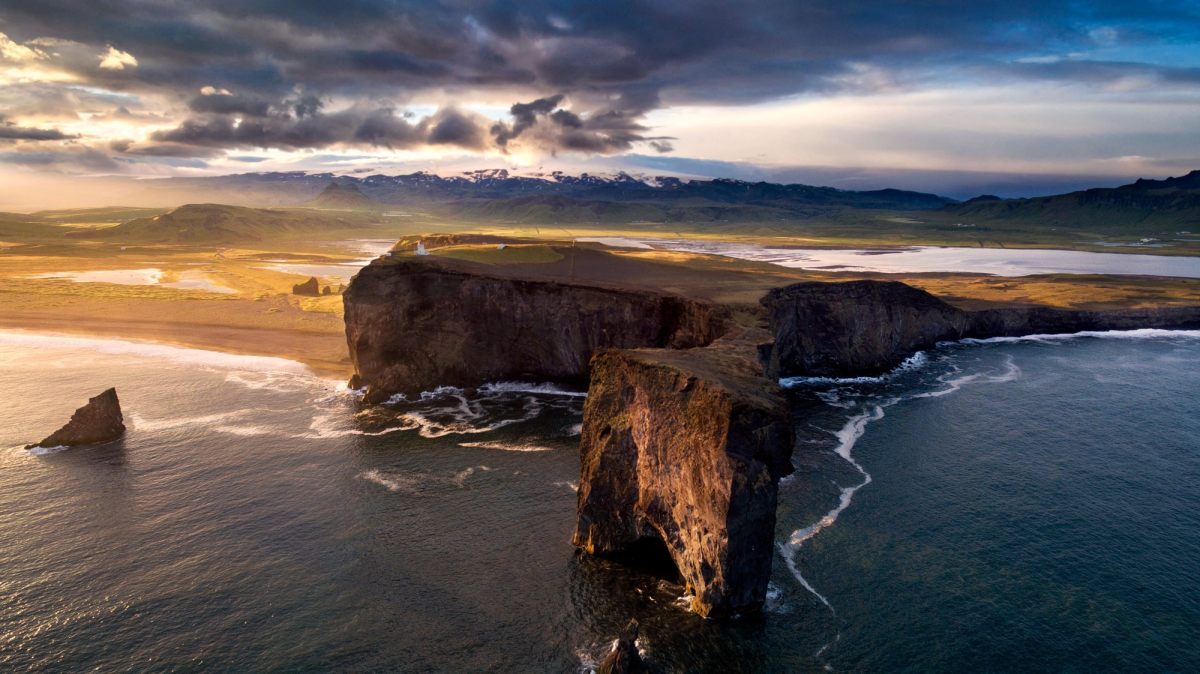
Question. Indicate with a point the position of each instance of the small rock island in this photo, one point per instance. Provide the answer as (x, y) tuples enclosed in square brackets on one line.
[(686, 432), (98, 421)]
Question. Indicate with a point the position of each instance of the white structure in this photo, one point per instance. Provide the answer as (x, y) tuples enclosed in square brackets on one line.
[(421, 248)]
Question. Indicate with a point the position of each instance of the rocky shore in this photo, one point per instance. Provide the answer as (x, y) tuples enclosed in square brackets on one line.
[(686, 432)]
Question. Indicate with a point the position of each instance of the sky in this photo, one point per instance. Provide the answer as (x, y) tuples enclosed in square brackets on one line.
[(1010, 96)]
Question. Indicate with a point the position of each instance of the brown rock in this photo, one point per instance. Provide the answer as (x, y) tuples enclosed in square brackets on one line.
[(687, 448), (310, 288), (98, 421)]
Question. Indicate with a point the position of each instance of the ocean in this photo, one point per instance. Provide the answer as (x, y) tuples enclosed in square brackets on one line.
[(1008, 505)]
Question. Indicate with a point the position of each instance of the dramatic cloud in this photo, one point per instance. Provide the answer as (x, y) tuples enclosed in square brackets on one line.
[(303, 126), (11, 51), (169, 78)]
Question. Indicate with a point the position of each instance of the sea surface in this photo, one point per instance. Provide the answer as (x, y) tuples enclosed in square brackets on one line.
[(1011, 505), (920, 259)]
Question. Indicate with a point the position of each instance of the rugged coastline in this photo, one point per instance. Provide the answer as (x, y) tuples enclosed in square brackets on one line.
[(686, 432)]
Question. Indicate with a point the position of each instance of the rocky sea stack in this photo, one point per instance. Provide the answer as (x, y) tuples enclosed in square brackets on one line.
[(310, 288), (98, 421), (624, 657)]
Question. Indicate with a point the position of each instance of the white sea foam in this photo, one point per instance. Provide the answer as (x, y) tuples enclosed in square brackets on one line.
[(920, 358), (1142, 333), (501, 387), (1010, 373), (913, 362), (847, 436), (568, 484), (394, 482), (414, 483), (144, 424), (246, 431), (508, 446), (441, 412), (281, 382), (38, 450), (125, 347), (460, 478)]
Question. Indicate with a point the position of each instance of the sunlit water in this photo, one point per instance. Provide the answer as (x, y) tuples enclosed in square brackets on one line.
[(186, 280), (1030, 505), (919, 259)]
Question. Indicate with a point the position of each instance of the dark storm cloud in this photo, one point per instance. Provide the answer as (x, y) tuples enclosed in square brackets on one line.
[(612, 125), (230, 104), (614, 61), (379, 127)]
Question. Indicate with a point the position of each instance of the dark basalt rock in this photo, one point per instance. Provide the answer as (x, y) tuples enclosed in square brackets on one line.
[(310, 288), (624, 658), (98, 421), (413, 325), (685, 433), (870, 327), (839, 329)]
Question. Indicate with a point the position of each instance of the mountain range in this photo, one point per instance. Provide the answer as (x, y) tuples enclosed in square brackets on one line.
[(501, 196)]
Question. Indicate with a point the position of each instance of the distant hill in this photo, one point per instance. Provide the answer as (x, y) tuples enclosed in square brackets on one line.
[(218, 223), (1145, 206), (343, 196)]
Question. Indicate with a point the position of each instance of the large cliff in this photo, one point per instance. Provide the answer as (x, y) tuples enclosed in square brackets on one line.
[(869, 327), (413, 324)]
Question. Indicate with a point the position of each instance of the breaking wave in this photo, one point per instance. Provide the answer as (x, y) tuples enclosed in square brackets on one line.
[(416, 483), (869, 406), (1142, 333)]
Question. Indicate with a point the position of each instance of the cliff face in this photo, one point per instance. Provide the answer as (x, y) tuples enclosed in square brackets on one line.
[(100, 420), (412, 326), (837, 329), (687, 447), (869, 327)]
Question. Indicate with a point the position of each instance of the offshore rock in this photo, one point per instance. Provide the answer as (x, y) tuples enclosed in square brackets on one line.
[(310, 288), (624, 657), (100, 420), (687, 447)]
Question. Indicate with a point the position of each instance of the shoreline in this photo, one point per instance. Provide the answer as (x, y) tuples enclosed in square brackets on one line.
[(225, 340)]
